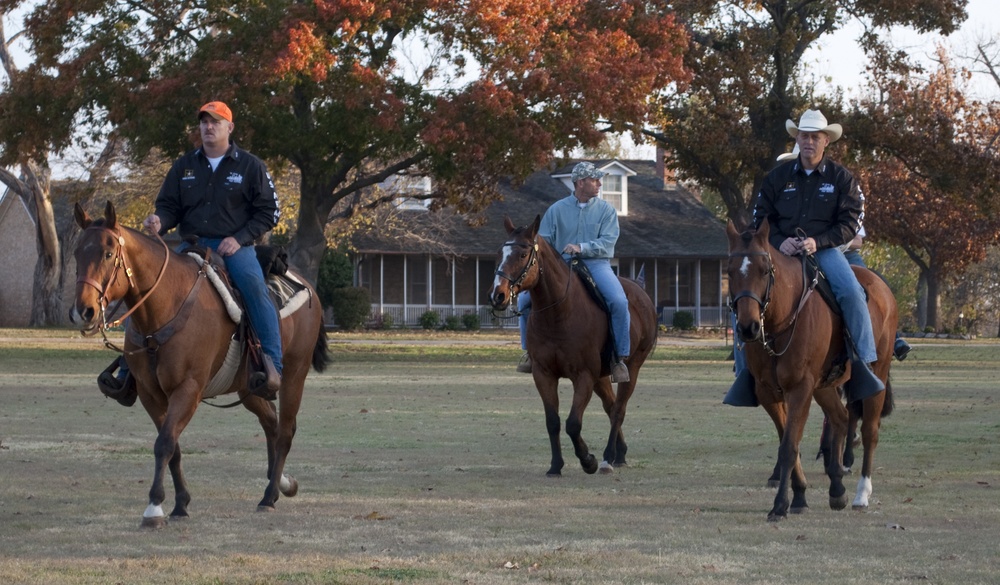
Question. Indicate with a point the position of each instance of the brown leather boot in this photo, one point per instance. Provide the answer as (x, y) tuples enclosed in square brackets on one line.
[(267, 382)]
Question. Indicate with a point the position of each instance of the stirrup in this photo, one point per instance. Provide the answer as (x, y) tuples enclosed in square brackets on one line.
[(743, 391), (267, 382), (122, 391), (619, 373), (863, 382)]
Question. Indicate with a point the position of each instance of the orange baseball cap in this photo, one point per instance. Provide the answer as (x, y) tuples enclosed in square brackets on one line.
[(217, 110)]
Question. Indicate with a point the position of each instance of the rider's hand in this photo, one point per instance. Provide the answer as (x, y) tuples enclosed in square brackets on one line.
[(152, 223), (791, 247), (572, 249), (228, 246)]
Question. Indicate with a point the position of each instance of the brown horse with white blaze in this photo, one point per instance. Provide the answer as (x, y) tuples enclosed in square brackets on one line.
[(565, 338), (794, 349), (178, 338)]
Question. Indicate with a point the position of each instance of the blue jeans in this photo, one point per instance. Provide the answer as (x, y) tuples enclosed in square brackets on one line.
[(851, 298), (611, 288), (248, 278)]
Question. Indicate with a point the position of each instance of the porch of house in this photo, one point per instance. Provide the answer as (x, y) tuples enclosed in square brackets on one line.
[(405, 287)]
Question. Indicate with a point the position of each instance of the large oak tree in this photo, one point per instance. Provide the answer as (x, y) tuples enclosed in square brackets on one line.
[(727, 126), (928, 159), (320, 84)]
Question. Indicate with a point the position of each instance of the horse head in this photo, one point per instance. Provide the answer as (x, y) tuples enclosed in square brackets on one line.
[(101, 273), (517, 263), (751, 277)]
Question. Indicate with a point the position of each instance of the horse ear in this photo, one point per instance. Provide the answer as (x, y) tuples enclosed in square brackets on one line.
[(535, 224), (110, 216), (764, 231), (508, 224), (82, 219)]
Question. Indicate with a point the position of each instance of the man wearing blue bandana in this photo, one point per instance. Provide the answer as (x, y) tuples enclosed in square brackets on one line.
[(586, 226)]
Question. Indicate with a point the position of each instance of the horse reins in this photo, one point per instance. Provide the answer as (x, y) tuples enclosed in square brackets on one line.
[(120, 263), (516, 283), (806, 291)]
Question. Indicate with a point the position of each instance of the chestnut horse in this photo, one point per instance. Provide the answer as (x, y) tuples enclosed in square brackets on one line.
[(566, 334), (794, 343), (163, 292)]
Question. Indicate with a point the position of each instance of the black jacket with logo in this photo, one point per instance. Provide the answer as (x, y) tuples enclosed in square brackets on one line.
[(827, 204), (237, 200)]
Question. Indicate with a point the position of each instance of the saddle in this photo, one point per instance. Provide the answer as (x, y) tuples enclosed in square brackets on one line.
[(578, 267)]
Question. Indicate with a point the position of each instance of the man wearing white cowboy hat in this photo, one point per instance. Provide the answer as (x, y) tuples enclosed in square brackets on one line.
[(817, 196), (585, 225)]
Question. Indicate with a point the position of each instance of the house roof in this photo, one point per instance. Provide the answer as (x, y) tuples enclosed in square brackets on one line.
[(661, 222)]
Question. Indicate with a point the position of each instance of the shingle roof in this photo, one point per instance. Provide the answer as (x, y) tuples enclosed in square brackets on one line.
[(661, 222)]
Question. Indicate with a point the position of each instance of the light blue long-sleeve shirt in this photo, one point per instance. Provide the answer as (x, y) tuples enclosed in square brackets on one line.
[(594, 226)]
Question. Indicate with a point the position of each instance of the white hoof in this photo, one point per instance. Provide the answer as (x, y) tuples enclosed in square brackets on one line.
[(605, 467), (153, 517)]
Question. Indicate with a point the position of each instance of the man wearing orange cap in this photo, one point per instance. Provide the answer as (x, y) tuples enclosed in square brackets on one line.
[(224, 197)]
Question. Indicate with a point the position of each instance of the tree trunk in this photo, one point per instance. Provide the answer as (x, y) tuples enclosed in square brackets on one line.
[(933, 299), (309, 244), (47, 305), (922, 300)]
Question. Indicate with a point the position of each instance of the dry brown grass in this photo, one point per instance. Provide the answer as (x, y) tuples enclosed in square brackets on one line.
[(431, 471)]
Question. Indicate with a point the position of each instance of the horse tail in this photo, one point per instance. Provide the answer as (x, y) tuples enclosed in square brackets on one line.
[(321, 353), (889, 404)]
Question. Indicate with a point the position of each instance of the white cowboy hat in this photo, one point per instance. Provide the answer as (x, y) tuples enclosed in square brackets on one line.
[(789, 155), (814, 121)]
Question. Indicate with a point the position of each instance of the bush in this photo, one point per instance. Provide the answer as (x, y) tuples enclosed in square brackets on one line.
[(470, 321), (452, 323), (351, 307), (335, 272), (382, 321), (683, 320), (430, 319)]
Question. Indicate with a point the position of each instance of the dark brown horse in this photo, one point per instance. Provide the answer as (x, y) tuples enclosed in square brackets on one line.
[(794, 343), (566, 335), (165, 292)]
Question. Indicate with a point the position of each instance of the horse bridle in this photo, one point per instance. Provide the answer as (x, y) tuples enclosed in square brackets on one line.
[(532, 260), (120, 264)]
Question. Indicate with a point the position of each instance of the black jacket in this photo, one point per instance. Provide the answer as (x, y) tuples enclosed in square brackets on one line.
[(828, 204), (237, 200)]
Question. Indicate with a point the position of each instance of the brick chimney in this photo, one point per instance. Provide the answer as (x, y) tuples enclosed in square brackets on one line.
[(663, 171)]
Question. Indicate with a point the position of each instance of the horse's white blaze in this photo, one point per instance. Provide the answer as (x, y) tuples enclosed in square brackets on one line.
[(864, 491), (745, 267), (497, 279), (284, 484), (153, 511)]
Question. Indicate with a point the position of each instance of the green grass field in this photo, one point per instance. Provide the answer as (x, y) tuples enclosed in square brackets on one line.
[(421, 459)]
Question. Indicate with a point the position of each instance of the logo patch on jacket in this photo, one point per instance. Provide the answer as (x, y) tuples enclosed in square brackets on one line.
[(789, 186), (826, 188), (235, 177), (188, 175)]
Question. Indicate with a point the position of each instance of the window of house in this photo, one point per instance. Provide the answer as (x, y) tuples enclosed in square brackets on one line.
[(411, 191), (613, 191)]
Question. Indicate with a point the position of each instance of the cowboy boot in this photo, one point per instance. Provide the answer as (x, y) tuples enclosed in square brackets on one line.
[(742, 392), (120, 387), (619, 372), (863, 382), (524, 365), (901, 349), (266, 382)]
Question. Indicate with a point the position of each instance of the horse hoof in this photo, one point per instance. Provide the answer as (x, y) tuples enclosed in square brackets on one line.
[(799, 509), (772, 483), (288, 485), (605, 468), (838, 503), (264, 508), (859, 508), (153, 522), (553, 474), (772, 517)]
